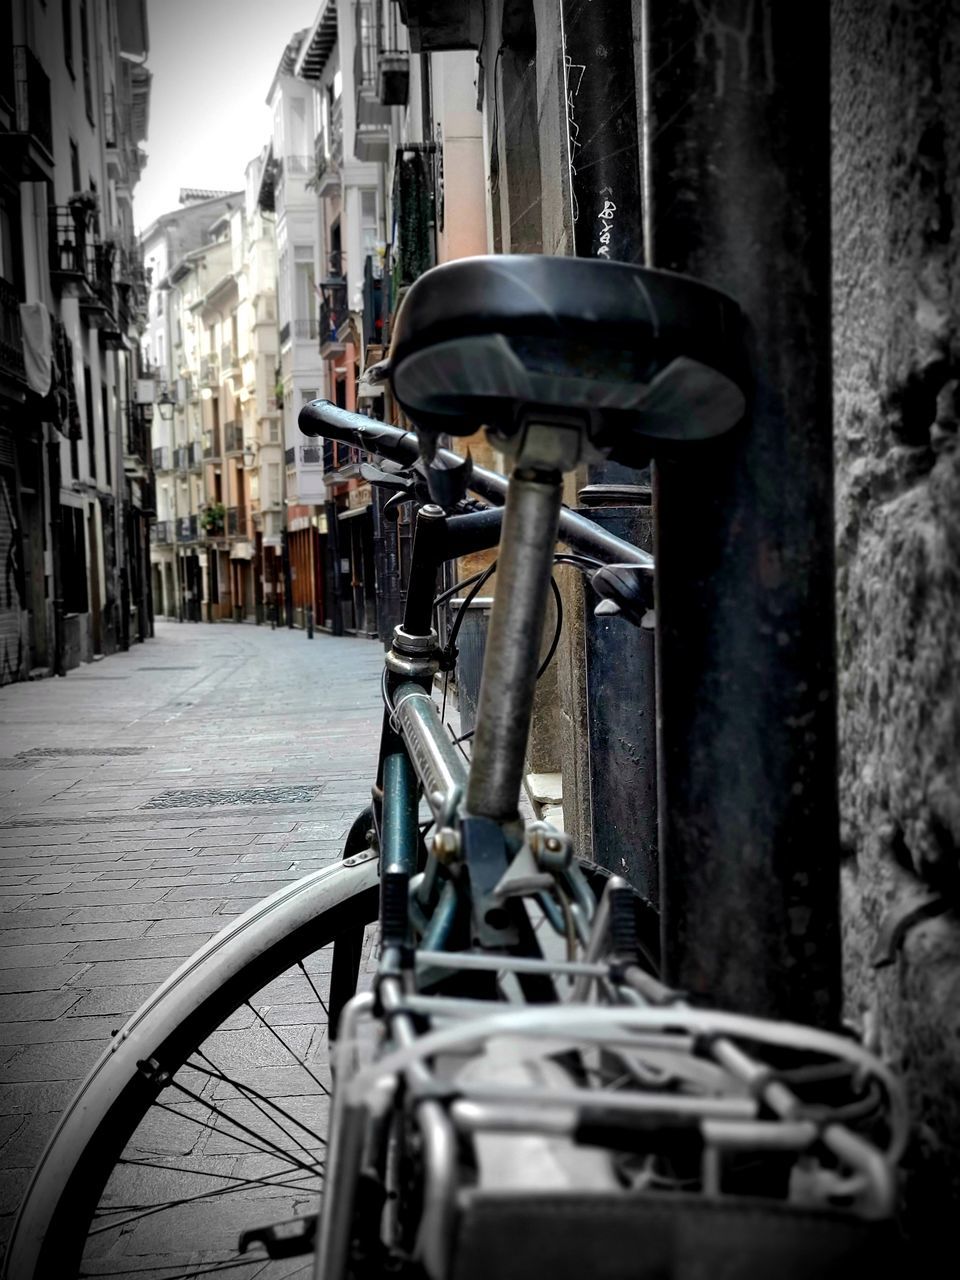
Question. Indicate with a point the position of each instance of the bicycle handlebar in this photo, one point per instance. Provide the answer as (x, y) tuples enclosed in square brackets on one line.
[(322, 418)]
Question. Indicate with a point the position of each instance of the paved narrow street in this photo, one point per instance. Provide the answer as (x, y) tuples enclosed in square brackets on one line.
[(144, 800)]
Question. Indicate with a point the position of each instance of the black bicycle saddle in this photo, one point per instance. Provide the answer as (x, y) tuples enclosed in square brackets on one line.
[(635, 354)]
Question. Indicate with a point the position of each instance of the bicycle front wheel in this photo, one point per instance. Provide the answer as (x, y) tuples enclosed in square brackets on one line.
[(207, 1114)]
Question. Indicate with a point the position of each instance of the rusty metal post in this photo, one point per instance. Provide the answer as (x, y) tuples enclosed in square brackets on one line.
[(736, 100)]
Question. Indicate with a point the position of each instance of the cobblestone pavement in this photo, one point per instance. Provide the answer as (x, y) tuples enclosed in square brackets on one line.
[(144, 800)]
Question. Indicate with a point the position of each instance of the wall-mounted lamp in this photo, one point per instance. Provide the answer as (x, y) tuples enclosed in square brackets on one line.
[(166, 405), (249, 457), (206, 393)]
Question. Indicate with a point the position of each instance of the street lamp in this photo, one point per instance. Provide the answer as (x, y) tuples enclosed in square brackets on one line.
[(249, 457), (165, 406)]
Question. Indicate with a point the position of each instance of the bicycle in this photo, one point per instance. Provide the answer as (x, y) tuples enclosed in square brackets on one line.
[(518, 1094)]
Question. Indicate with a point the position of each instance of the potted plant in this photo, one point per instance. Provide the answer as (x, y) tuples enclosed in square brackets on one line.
[(212, 518)]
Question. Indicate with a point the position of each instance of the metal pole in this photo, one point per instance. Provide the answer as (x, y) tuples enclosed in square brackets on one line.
[(738, 150), (56, 543), (607, 205)]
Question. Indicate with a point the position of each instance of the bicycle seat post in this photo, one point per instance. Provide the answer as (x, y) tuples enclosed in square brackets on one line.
[(527, 547)]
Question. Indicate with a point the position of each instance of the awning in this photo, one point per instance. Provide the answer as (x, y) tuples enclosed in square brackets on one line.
[(37, 333), (354, 511)]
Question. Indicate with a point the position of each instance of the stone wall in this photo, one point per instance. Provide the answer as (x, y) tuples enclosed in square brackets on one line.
[(896, 197)]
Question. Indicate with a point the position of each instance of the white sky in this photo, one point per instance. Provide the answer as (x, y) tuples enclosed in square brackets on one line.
[(212, 63)]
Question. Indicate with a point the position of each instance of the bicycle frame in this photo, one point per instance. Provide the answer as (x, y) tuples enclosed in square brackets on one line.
[(465, 899)]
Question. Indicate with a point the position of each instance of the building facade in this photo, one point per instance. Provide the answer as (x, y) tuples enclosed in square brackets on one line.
[(75, 460), (172, 246)]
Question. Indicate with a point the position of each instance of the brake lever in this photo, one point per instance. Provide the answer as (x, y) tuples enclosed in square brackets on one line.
[(625, 589)]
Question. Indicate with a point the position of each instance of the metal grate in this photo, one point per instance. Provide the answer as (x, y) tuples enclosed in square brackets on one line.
[(211, 797)]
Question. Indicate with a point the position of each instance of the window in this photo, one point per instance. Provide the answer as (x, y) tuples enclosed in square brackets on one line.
[(308, 394), (272, 496), (306, 291), (74, 165), (159, 302), (91, 430), (104, 405), (160, 352), (369, 223), (85, 51), (66, 10), (73, 558)]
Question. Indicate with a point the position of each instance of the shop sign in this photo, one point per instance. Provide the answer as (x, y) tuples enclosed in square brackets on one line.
[(359, 497)]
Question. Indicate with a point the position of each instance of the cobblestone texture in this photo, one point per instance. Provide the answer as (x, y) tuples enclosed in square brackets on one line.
[(101, 896)]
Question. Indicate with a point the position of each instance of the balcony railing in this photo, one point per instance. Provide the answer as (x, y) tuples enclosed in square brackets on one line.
[(137, 437), (11, 335), (161, 532), (211, 443), (194, 456), (236, 522), (228, 357), (32, 92), (209, 371), (161, 458), (306, 328), (181, 458), (187, 529), (233, 437)]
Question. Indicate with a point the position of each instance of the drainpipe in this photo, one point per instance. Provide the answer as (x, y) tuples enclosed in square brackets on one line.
[(737, 152), (618, 667)]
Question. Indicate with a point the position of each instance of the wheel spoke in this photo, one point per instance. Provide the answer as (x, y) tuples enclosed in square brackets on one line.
[(256, 1098), (303, 970), (147, 1212), (270, 1148), (278, 1037)]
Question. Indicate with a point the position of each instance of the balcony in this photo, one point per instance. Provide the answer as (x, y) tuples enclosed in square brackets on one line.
[(372, 303), (11, 336), (333, 312), (187, 529), (211, 444), (181, 459), (194, 456), (307, 455), (306, 328), (236, 522), (161, 459), (209, 371), (340, 461), (370, 110), (295, 166), (233, 437), (26, 87), (228, 359), (161, 533), (136, 447), (437, 25)]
